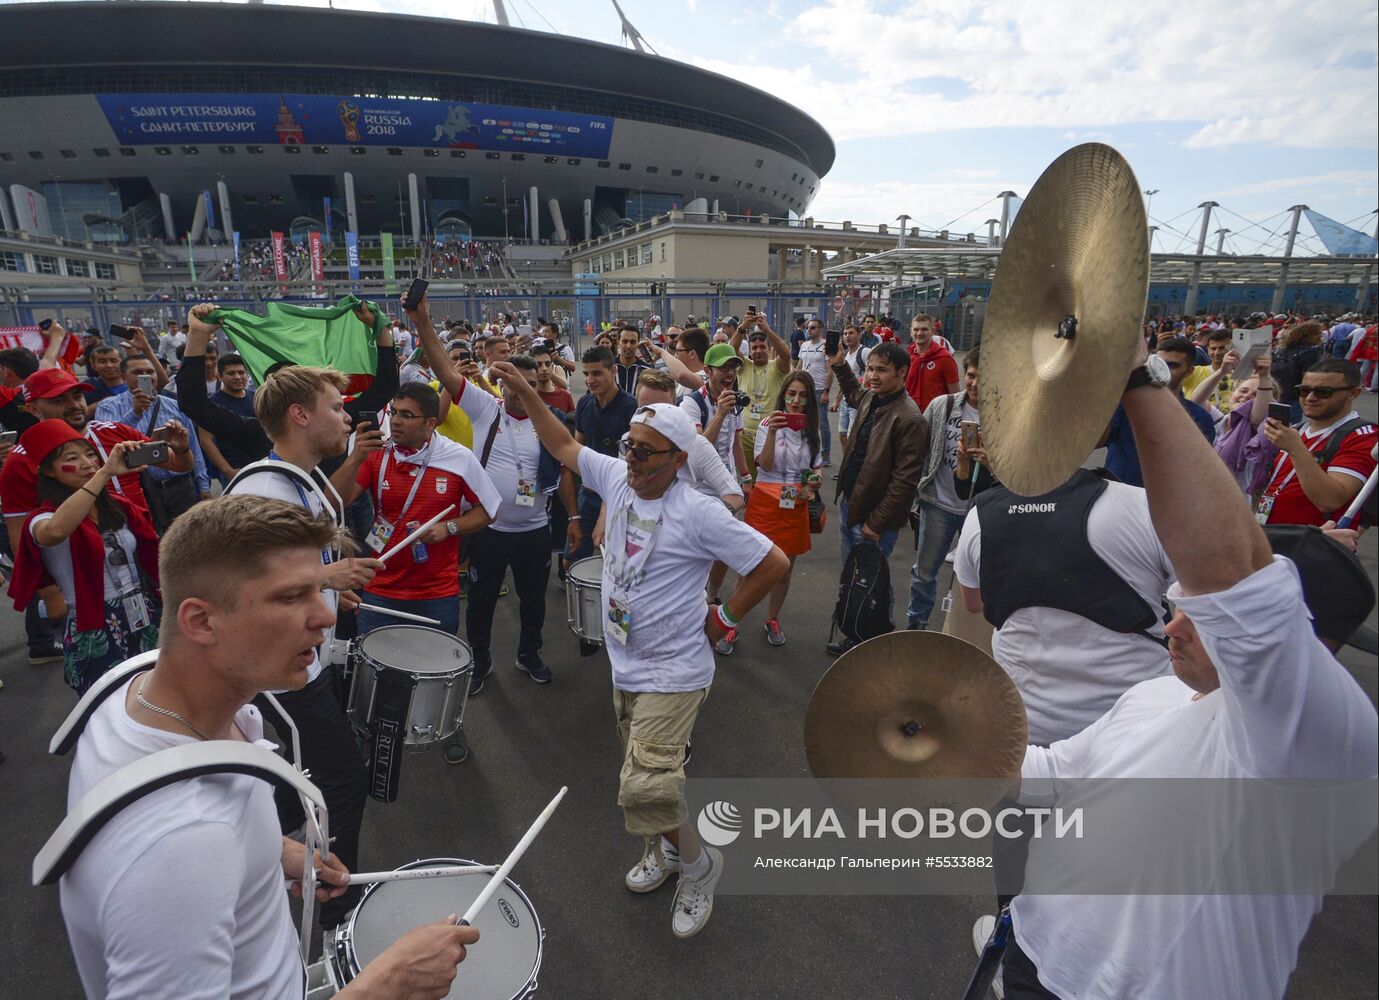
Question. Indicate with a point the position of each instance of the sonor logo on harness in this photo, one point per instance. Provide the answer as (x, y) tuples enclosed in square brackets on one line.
[(507, 912), (1032, 508)]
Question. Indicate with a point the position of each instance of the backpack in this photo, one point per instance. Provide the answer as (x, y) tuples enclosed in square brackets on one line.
[(864, 594)]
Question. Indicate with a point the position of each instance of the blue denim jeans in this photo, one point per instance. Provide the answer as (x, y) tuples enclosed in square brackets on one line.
[(936, 530), (825, 435), (446, 610), (847, 416), (850, 536)]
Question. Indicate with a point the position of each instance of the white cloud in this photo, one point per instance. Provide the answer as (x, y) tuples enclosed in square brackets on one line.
[(1356, 180), (1274, 71), (960, 206)]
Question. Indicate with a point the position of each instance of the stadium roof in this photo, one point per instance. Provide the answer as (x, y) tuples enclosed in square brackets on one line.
[(186, 36), (979, 264)]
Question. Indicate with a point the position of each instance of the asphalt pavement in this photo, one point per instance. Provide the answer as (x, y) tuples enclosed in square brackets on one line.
[(601, 941)]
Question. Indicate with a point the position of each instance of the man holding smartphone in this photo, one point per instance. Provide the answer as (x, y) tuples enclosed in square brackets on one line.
[(171, 494)]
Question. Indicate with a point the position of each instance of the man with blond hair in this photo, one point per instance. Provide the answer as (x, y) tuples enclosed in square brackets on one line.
[(302, 411), (180, 893)]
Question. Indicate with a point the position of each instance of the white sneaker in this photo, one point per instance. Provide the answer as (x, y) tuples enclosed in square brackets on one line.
[(694, 898), (981, 934), (654, 868)]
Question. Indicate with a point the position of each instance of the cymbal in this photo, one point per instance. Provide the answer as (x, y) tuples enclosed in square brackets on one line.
[(1066, 312), (915, 704)]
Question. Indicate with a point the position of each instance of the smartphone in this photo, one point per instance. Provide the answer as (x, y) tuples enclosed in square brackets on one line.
[(414, 294), (123, 332), (9, 437), (161, 434), (795, 421), (645, 352), (149, 453), (971, 434), (145, 385), (831, 339), (751, 310), (1281, 412), (43, 324)]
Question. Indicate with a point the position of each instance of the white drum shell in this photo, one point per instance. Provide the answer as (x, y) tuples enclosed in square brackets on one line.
[(441, 664), (584, 599)]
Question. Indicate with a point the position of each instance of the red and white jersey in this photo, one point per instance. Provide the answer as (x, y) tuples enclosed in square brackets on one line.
[(19, 477), (443, 473), (1291, 505)]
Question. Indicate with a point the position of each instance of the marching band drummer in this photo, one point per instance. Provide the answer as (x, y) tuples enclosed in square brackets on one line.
[(661, 539), (181, 893)]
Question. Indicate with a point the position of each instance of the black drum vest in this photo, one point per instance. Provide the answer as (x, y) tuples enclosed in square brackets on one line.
[(1035, 553)]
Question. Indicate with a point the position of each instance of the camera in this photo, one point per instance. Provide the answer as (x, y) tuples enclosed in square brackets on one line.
[(742, 399)]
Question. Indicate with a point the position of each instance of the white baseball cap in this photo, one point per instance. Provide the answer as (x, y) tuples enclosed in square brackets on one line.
[(669, 421)]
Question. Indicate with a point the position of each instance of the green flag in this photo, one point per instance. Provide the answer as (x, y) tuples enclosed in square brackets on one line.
[(301, 335), (389, 270)]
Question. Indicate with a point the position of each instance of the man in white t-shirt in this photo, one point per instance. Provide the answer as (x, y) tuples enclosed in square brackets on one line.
[(181, 893), (1257, 698), (813, 360), (661, 539), (302, 412)]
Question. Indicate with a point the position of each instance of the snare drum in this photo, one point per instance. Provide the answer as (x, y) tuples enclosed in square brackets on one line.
[(503, 966), (584, 599), (437, 661)]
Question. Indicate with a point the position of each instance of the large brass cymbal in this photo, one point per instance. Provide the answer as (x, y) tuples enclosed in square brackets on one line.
[(1079, 249), (915, 705)]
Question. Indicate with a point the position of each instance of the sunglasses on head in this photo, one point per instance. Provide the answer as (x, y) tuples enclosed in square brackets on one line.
[(1320, 391)]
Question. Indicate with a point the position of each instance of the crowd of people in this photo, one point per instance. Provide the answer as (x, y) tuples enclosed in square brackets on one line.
[(692, 454)]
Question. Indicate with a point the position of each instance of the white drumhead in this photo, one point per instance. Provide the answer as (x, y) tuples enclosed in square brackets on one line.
[(588, 571), (415, 649), (501, 966)]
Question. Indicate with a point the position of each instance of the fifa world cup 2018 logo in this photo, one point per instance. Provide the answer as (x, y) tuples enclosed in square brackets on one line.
[(349, 117)]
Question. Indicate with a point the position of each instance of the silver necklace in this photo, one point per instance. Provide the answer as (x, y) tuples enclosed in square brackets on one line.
[(139, 696)]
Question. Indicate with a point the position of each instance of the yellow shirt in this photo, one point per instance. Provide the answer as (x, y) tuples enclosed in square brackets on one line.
[(762, 383), (456, 425), (1195, 378)]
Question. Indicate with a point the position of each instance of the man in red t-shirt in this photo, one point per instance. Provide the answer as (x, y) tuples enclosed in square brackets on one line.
[(53, 394), (551, 394), (1302, 490), (933, 369), (412, 479)]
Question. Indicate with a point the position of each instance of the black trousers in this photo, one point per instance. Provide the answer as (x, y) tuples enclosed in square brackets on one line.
[(1021, 978), (490, 554), (330, 753)]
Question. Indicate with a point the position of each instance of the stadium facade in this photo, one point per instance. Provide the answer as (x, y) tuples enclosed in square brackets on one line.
[(125, 121)]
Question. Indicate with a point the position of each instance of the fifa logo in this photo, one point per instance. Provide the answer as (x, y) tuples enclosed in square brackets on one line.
[(349, 117)]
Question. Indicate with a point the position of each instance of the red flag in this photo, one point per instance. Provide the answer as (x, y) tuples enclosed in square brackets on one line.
[(280, 257), (318, 264)]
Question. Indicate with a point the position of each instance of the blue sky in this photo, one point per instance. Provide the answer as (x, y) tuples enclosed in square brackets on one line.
[(937, 106)]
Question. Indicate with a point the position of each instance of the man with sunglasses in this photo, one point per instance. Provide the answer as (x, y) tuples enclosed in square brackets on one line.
[(1122, 457), (1322, 462), (662, 537)]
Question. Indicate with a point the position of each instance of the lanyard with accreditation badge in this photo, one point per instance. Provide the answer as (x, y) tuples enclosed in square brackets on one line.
[(382, 529), (526, 488), (625, 572)]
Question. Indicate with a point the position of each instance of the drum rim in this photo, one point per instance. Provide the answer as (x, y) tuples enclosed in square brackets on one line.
[(345, 940), (570, 573), (359, 650)]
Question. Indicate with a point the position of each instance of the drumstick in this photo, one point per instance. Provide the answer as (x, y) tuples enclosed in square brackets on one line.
[(415, 535), (513, 858), (399, 614), (1354, 510), (440, 871)]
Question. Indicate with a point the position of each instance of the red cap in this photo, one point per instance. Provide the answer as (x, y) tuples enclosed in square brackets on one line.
[(46, 383), (44, 437)]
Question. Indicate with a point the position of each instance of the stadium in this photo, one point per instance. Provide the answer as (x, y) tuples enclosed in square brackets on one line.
[(207, 119)]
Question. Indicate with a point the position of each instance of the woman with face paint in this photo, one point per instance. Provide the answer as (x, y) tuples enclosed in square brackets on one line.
[(98, 549), (787, 455)]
